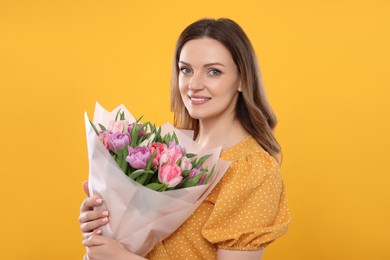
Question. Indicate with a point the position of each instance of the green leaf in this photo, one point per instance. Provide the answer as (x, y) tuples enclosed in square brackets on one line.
[(142, 178), (94, 127), (139, 119), (138, 173), (184, 173), (190, 155), (121, 158), (192, 182), (149, 178), (152, 127), (117, 159), (119, 153), (149, 164), (135, 132), (157, 135), (182, 183), (209, 175), (179, 162), (175, 138), (153, 177), (188, 183), (125, 164), (117, 114), (122, 116), (202, 160), (163, 188), (102, 127), (157, 186)]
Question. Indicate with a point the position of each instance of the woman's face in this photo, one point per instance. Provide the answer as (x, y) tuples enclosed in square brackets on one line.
[(208, 79)]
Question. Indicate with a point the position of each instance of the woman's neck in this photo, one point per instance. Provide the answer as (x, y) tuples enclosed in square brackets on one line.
[(222, 131)]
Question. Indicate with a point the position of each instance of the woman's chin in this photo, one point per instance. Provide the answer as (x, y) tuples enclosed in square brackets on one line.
[(195, 115)]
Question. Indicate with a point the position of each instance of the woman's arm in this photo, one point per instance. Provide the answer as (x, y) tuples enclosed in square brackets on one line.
[(233, 254)]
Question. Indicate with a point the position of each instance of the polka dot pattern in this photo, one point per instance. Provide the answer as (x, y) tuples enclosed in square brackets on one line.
[(247, 210)]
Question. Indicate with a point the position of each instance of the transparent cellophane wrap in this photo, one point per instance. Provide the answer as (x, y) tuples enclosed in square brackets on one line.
[(140, 217)]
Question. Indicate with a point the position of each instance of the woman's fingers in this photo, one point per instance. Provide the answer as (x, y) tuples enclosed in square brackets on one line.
[(85, 187), (90, 218), (90, 225), (95, 241), (86, 235), (89, 203), (92, 215)]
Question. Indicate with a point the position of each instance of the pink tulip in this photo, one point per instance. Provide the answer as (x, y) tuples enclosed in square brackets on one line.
[(186, 163), (171, 155), (172, 145), (118, 140), (160, 147), (120, 126), (170, 174), (103, 136), (138, 157)]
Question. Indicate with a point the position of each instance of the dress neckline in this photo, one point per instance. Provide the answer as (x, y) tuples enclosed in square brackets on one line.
[(243, 140)]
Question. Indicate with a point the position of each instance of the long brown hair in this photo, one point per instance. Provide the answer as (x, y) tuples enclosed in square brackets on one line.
[(252, 109)]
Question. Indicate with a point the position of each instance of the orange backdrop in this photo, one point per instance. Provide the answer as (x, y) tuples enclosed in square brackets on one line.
[(324, 65)]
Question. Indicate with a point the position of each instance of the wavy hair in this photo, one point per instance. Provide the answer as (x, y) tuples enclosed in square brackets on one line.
[(253, 109)]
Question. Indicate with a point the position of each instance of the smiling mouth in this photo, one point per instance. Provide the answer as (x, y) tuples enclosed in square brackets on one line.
[(199, 99)]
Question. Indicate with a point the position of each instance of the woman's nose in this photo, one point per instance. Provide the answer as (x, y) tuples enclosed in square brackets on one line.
[(195, 83)]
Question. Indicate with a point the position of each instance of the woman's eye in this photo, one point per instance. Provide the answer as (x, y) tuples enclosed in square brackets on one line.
[(185, 70), (214, 72)]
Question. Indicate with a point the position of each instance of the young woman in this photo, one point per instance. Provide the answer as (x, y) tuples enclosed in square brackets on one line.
[(217, 91)]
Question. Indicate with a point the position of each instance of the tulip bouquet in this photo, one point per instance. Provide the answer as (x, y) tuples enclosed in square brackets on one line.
[(151, 178), (155, 161)]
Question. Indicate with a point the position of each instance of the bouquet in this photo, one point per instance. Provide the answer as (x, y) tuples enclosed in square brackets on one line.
[(151, 178), (155, 161)]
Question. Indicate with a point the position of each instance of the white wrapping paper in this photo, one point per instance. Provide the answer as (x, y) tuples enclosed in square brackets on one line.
[(140, 217)]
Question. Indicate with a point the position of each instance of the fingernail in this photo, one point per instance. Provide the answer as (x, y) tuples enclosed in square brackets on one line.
[(99, 201), (98, 232), (105, 213), (105, 219)]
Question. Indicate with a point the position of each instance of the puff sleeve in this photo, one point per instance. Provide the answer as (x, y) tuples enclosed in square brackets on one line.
[(250, 210)]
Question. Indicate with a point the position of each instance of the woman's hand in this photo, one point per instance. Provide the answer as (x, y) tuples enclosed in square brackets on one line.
[(103, 248), (91, 220)]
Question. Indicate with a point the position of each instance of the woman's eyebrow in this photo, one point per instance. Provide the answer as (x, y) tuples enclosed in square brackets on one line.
[(205, 65), (213, 64), (183, 62)]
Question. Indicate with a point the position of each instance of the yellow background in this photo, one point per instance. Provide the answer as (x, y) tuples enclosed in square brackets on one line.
[(326, 69)]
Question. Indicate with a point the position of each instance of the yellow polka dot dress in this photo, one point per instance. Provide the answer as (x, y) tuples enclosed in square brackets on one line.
[(247, 210)]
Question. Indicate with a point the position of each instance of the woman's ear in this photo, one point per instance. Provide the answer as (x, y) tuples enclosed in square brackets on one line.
[(239, 87)]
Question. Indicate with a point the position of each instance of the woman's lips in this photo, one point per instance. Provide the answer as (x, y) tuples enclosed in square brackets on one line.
[(198, 100)]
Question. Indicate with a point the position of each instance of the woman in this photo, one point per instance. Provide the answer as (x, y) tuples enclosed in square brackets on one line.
[(217, 92)]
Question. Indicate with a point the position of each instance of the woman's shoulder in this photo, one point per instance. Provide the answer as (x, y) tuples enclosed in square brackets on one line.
[(251, 162), (248, 146)]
